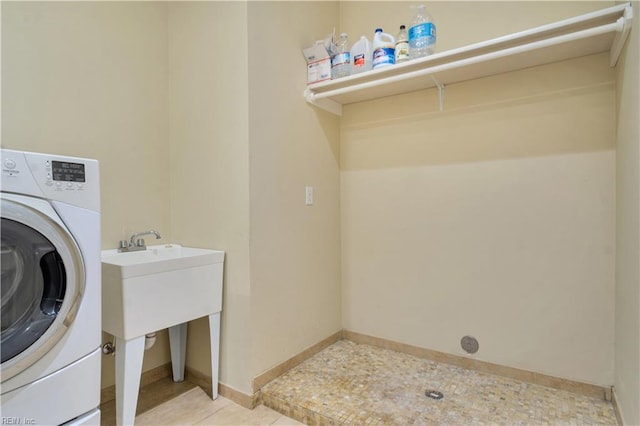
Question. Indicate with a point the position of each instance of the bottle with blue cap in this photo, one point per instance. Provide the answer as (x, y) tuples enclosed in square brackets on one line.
[(383, 49)]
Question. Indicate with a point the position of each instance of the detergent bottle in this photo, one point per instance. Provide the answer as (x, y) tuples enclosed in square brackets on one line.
[(383, 49)]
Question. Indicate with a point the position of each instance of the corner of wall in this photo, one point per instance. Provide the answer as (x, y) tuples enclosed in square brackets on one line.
[(627, 321)]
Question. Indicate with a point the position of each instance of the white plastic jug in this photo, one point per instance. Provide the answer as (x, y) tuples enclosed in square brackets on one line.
[(361, 56), (383, 49)]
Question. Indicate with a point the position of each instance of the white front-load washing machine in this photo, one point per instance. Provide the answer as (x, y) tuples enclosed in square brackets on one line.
[(50, 289)]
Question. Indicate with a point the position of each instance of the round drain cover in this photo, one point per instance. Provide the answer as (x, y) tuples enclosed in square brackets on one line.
[(470, 344), (434, 394)]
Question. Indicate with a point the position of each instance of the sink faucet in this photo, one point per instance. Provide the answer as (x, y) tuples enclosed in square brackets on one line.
[(136, 243), (135, 238)]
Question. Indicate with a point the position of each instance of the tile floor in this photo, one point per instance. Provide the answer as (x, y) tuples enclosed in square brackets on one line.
[(149, 396), (356, 384), (194, 407)]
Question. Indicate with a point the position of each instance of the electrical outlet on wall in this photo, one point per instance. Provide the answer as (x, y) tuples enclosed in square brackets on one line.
[(308, 195)]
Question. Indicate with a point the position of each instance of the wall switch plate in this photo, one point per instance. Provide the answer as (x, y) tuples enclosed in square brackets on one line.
[(308, 195)]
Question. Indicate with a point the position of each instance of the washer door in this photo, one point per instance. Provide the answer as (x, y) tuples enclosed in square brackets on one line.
[(41, 285)]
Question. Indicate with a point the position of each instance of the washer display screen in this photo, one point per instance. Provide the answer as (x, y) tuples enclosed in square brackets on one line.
[(68, 172)]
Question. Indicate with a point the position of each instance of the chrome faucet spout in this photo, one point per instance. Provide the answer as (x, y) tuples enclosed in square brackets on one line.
[(137, 235), (136, 243)]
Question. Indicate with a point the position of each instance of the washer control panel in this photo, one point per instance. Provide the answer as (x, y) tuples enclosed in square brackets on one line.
[(68, 179), (65, 174)]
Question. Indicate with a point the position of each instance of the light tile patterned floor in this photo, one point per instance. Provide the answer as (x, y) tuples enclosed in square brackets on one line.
[(350, 383), (196, 408)]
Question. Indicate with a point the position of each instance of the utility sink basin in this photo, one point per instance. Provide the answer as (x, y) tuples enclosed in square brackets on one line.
[(153, 289), (164, 286)]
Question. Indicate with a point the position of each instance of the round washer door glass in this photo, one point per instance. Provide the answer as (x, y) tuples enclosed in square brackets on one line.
[(33, 287), (40, 287)]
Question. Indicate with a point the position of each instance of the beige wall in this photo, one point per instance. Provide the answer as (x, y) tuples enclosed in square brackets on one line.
[(438, 214), (225, 130), (156, 92), (89, 80), (208, 108), (495, 218), (295, 249), (459, 23), (627, 343)]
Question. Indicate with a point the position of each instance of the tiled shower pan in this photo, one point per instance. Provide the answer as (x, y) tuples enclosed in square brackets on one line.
[(357, 384)]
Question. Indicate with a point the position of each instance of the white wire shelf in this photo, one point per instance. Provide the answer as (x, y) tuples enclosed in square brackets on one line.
[(595, 32)]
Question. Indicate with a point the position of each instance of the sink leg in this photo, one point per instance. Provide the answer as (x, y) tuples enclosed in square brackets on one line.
[(129, 356), (178, 344), (214, 331)]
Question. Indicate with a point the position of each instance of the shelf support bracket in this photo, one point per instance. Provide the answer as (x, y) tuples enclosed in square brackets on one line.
[(622, 31), (322, 103), (440, 92)]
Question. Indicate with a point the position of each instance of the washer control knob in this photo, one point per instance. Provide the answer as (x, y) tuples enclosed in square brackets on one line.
[(9, 164)]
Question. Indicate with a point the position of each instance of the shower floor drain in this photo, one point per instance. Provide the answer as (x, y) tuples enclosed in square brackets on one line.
[(434, 394)]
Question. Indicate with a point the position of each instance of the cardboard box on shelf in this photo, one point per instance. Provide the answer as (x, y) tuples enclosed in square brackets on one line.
[(318, 63)]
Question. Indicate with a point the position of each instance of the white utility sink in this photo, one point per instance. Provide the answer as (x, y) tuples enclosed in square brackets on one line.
[(164, 286), (160, 258), (149, 290)]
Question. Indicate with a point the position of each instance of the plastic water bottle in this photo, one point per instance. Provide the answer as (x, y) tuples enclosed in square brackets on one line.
[(402, 45), (422, 34), (361, 56), (383, 49), (341, 60)]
